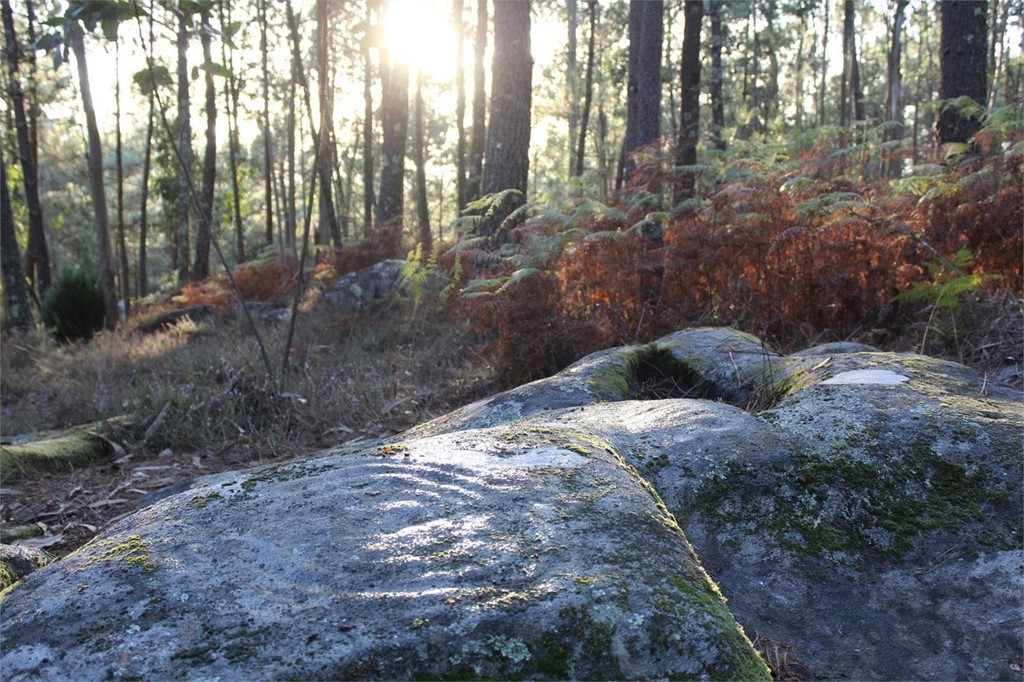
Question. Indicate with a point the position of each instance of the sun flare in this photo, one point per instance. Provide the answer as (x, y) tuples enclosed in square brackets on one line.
[(420, 33)]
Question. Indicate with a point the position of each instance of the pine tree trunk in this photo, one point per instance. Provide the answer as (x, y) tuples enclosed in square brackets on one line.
[(268, 160), (771, 98), (204, 235), (142, 277), (99, 198), (962, 66), (689, 109), (325, 156), (478, 136), (184, 141), (643, 96), (571, 81), (852, 97), (422, 207), (507, 159), (588, 89), (15, 291), (27, 158), (231, 105), (894, 91), (823, 88), (122, 247), (368, 194), (717, 75), (460, 105), (394, 123)]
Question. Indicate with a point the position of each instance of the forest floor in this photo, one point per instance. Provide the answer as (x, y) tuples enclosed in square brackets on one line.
[(352, 381)]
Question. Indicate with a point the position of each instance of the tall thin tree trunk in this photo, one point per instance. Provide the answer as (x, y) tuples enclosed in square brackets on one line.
[(507, 160), (422, 207), (799, 79), (643, 97), (823, 87), (27, 157), (142, 277), (962, 67), (325, 157), (99, 198), (268, 161), (689, 114), (369, 200), (851, 97), (288, 185), (15, 291), (184, 202), (460, 104), (717, 76), (231, 106), (894, 92), (394, 122), (204, 234), (122, 247), (572, 79), (478, 136), (588, 89), (771, 98)]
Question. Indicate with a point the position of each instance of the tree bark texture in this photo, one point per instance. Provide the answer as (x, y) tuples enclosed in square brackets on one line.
[(507, 161), (369, 198), (394, 124), (231, 93), (204, 235), (184, 202), (689, 109), (852, 95), (268, 160), (572, 80), (962, 66), (27, 158), (643, 95), (99, 197), (460, 105), (717, 75), (478, 135), (15, 290), (122, 246), (419, 158), (325, 138), (588, 88)]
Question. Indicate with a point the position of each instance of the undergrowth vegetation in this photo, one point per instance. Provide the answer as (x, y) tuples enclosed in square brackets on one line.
[(200, 386), (797, 245)]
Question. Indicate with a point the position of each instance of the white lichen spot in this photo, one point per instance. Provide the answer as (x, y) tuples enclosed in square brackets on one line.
[(513, 649), (876, 377)]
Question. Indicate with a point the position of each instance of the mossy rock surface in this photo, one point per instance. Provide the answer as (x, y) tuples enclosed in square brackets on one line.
[(631, 517), (504, 553)]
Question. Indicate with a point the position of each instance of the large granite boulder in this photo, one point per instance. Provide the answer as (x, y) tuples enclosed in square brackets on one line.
[(863, 510)]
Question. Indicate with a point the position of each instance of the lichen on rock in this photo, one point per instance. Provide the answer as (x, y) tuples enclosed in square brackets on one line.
[(632, 517)]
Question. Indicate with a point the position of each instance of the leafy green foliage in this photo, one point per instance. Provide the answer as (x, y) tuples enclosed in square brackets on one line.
[(73, 306), (949, 282)]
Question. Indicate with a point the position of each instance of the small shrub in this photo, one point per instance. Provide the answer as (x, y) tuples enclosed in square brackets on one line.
[(73, 307)]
